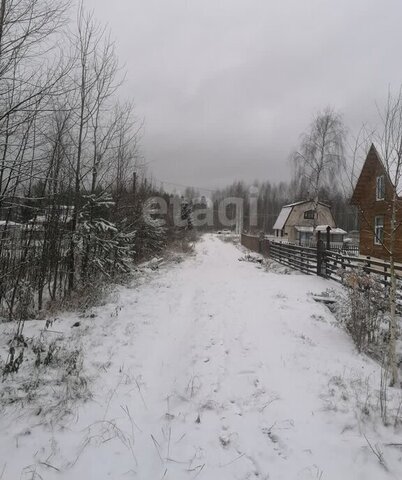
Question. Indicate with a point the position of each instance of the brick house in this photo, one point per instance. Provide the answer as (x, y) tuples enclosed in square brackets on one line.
[(373, 196)]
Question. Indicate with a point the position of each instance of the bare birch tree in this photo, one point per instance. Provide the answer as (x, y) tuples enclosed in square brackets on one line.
[(321, 154), (389, 141), (68, 154), (95, 81)]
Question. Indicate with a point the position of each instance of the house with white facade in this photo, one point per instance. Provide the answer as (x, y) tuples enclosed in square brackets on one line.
[(299, 222)]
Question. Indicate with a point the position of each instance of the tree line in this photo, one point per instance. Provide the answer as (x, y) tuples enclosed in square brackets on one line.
[(320, 170), (72, 182)]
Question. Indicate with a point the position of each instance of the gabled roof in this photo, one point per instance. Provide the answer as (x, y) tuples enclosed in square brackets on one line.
[(372, 156), (390, 172), (286, 210), (282, 217), (305, 201)]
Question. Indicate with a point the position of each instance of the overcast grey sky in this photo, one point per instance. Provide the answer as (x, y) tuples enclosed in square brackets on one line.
[(227, 86)]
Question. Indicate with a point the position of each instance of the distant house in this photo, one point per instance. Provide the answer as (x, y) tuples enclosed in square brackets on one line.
[(298, 222), (372, 196), (9, 229)]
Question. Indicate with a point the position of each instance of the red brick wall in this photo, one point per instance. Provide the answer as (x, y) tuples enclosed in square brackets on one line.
[(369, 207)]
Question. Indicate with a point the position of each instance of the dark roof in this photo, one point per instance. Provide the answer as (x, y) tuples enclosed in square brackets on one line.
[(372, 156)]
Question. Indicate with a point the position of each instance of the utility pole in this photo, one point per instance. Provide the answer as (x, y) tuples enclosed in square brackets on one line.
[(134, 183)]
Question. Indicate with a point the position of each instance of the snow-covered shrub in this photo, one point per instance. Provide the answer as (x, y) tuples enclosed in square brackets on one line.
[(252, 258), (103, 247), (13, 362), (362, 311), (183, 241), (149, 238)]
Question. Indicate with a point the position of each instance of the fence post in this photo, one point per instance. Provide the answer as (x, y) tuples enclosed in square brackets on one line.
[(260, 240), (268, 247), (328, 238), (321, 262), (319, 256), (368, 265)]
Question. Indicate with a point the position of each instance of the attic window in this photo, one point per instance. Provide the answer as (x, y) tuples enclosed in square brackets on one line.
[(380, 188), (309, 214)]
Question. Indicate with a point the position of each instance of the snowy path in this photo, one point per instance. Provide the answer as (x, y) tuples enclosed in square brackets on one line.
[(214, 370)]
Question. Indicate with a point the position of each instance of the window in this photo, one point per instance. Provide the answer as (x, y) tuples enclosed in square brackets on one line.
[(309, 214), (380, 188), (379, 230), (305, 238)]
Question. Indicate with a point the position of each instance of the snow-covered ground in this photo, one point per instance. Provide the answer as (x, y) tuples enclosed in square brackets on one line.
[(212, 369)]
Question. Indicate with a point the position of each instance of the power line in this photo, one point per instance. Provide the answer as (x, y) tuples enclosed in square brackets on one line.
[(186, 186)]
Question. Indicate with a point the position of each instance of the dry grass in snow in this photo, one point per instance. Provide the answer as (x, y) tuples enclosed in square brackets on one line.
[(208, 368)]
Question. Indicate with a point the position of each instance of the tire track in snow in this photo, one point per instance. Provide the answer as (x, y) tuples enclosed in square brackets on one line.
[(212, 371)]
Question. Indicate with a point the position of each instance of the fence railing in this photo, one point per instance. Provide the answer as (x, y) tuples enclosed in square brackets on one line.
[(343, 248), (307, 259), (326, 263), (301, 258), (336, 262), (255, 243)]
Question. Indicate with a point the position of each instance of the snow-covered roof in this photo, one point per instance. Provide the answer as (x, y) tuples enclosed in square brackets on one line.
[(282, 217), (338, 231), (32, 226), (305, 201), (8, 223), (334, 230), (322, 228), (304, 229), (285, 212), (38, 219)]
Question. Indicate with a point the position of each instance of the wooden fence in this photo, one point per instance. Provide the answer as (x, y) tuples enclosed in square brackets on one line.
[(255, 243), (300, 258), (339, 247), (251, 242), (335, 263), (324, 262)]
